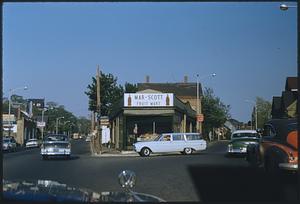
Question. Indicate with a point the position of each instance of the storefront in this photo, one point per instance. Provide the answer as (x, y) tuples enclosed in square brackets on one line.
[(146, 114)]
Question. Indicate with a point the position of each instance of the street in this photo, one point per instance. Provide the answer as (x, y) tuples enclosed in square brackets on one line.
[(205, 176)]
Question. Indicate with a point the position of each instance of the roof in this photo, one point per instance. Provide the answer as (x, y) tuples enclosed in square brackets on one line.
[(291, 83), (288, 97), (179, 89), (244, 131)]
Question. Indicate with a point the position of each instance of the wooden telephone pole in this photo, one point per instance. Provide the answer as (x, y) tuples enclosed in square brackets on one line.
[(99, 135)]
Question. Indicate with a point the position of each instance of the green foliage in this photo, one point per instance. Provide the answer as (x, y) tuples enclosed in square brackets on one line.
[(130, 88), (216, 113), (63, 126), (84, 125), (264, 109), (109, 90)]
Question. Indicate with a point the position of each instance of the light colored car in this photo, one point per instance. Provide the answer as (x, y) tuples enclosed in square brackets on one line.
[(32, 143), (186, 143), (56, 145), (9, 144), (88, 138), (240, 139)]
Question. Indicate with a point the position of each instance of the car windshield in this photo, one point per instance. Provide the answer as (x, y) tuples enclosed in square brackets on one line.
[(56, 138), (6, 140), (245, 134)]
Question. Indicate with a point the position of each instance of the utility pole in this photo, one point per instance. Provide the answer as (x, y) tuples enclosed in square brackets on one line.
[(99, 136)]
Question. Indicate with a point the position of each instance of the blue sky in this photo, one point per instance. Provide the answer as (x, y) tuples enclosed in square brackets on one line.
[(54, 48)]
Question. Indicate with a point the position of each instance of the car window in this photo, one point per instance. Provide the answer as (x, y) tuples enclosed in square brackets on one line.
[(178, 137), (56, 138), (244, 134), (5, 140), (193, 137), (165, 138), (269, 131)]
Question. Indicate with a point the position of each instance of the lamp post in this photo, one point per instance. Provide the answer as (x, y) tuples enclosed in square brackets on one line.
[(57, 120), (43, 111), (255, 106), (285, 7), (198, 109), (9, 105)]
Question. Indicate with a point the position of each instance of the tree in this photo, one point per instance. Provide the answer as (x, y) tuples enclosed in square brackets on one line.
[(64, 126), (109, 90), (216, 113), (264, 109), (84, 125), (130, 88)]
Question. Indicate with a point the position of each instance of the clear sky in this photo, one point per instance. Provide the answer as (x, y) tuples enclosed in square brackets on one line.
[(54, 48)]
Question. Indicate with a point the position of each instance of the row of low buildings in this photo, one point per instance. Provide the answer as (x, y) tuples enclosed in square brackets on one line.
[(22, 125)]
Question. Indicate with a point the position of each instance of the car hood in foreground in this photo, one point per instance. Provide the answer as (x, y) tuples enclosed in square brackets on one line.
[(47, 190)]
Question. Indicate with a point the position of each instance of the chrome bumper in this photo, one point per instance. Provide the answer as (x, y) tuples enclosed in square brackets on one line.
[(239, 150), (288, 166), (53, 151)]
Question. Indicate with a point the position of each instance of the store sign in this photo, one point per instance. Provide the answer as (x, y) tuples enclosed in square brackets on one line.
[(41, 124), (148, 99)]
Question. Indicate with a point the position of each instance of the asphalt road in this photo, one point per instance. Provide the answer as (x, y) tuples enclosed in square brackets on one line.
[(205, 176)]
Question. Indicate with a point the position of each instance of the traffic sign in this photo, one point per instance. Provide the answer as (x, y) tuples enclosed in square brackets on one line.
[(41, 124)]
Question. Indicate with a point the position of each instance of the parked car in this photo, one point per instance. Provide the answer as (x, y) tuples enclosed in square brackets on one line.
[(56, 145), (278, 148), (88, 138), (186, 143), (32, 143), (9, 144), (240, 139)]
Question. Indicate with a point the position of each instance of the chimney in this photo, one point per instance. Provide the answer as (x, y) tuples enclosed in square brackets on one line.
[(147, 79), (185, 80)]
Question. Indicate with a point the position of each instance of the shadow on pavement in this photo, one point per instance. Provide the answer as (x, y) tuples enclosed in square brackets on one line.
[(61, 158), (219, 183)]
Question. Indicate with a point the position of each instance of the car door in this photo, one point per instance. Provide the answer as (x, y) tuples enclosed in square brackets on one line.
[(164, 144), (178, 142)]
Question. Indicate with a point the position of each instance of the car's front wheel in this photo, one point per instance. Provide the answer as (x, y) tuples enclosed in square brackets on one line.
[(188, 150), (145, 152), (45, 157)]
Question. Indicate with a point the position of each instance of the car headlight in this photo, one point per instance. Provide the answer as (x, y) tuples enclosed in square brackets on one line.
[(69, 146)]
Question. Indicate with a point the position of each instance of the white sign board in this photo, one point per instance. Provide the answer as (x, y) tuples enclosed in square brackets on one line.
[(40, 124), (148, 99)]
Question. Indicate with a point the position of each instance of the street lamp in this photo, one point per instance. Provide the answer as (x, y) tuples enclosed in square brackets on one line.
[(9, 104), (57, 120), (43, 111), (198, 109), (285, 7), (255, 113)]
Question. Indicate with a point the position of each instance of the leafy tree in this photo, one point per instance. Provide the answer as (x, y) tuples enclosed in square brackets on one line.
[(109, 90), (130, 88), (67, 124), (264, 109), (216, 113), (84, 125)]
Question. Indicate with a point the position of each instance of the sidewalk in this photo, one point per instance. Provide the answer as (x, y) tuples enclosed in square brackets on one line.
[(110, 152)]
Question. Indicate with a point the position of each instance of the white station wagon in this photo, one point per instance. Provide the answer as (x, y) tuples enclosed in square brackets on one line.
[(186, 143)]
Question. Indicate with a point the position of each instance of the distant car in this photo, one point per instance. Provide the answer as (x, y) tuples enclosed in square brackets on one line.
[(186, 143), (88, 138), (32, 143), (240, 139), (9, 144), (277, 150), (56, 145)]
